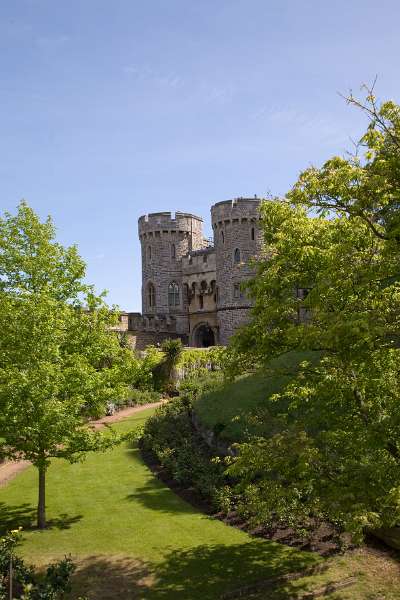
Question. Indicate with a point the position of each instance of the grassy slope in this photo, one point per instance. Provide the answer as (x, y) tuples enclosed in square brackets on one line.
[(229, 404), (131, 536)]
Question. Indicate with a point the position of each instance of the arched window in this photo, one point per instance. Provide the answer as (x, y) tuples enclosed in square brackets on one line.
[(173, 294), (151, 296), (173, 251), (236, 256), (186, 292), (213, 289), (236, 290), (222, 237), (148, 252), (203, 286), (252, 234)]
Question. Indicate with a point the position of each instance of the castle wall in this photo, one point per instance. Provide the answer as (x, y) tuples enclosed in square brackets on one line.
[(199, 280), (237, 239)]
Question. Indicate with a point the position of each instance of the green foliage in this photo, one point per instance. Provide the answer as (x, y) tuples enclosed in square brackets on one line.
[(139, 397), (172, 363), (172, 350), (27, 585), (201, 383), (164, 365), (338, 426), (59, 361), (200, 359), (169, 434), (364, 185)]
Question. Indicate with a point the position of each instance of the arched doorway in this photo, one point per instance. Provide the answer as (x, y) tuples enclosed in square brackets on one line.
[(204, 336)]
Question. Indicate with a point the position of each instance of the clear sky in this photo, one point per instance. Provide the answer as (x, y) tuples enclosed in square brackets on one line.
[(111, 109)]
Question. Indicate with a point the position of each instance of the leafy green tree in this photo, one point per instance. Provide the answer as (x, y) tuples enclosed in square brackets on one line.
[(330, 284), (366, 183), (59, 361)]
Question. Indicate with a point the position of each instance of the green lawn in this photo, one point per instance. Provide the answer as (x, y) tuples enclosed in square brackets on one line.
[(230, 406), (131, 536)]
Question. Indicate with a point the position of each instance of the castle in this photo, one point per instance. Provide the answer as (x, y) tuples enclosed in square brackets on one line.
[(191, 286)]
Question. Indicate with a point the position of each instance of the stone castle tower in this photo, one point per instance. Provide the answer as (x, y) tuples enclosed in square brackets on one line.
[(237, 239), (191, 288)]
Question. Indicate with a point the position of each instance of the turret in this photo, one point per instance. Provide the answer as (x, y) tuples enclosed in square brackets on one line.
[(237, 239), (165, 239)]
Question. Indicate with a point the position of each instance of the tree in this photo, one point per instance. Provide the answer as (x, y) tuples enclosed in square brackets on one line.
[(366, 183), (59, 361), (334, 449)]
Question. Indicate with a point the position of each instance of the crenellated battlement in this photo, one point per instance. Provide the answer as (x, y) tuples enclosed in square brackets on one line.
[(167, 221), (236, 210)]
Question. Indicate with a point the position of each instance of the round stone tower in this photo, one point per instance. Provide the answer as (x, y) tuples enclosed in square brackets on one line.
[(237, 239), (165, 239)]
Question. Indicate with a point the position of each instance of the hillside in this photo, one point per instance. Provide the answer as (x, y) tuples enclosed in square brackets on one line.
[(233, 409)]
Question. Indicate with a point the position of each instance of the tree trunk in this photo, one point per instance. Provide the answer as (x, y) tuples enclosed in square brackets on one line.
[(41, 510)]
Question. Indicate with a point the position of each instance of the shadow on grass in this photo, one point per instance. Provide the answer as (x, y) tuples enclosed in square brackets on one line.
[(211, 571), (207, 572), (24, 515), (155, 496), (102, 578)]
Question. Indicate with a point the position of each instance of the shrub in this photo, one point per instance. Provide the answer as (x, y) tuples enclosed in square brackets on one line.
[(195, 386), (195, 361), (140, 397), (25, 582), (170, 435)]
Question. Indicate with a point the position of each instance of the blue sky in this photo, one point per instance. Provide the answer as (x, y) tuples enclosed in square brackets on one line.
[(111, 109)]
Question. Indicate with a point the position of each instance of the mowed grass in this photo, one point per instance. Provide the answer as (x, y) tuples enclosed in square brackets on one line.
[(131, 536), (230, 406)]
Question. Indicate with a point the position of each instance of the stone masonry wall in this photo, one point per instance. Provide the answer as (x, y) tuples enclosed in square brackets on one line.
[(164, 241), (236, 228)]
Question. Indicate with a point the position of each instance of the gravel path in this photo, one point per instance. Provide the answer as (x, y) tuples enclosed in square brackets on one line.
[(9, 470)]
